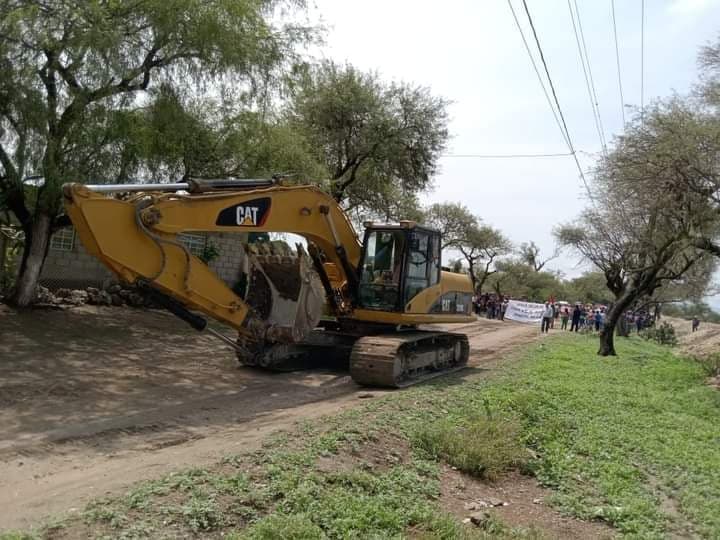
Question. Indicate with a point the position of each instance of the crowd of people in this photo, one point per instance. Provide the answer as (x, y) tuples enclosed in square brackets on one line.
[(573, 318), (493, 306), (589, 317)]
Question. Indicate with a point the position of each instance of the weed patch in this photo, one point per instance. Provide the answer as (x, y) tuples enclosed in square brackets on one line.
[(483, 446), (710, 364)]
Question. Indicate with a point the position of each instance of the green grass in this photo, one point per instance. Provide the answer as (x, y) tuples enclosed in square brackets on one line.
[(633, 441)]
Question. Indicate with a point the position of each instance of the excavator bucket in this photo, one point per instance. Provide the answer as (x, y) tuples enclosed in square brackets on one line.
[(283, 289)]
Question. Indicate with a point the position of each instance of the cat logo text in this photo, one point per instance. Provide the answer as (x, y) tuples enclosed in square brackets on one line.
[(252, 213), (247, 216)]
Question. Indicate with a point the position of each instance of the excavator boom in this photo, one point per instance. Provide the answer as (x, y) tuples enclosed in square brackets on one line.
[(137, 237)]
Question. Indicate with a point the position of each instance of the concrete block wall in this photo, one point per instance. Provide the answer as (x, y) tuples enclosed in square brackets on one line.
[(74, 269), (227, 265), (77, 269)]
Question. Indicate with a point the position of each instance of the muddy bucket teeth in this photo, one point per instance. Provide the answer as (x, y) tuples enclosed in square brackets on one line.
[(285, 293)]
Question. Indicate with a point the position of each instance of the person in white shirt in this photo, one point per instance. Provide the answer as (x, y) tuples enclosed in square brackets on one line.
[(547, 318)]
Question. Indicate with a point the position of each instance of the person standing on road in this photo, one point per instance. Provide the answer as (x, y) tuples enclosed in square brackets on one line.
[(695, 324), (575, 319), (547, 318), (564, 316), (503, 309), (639, 322)]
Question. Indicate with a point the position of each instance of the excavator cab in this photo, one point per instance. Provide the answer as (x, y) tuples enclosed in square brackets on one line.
[(398, 262)]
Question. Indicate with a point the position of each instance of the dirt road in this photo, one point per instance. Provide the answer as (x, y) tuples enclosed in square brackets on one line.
[(94, 399)]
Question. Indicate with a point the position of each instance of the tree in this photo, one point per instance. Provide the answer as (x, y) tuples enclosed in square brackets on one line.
[(389, 203), (175, 138), (454, 221), (709, 63), (456, 265), (691, 287), (370, 134), (68, 67), (530, 255), (688, 310), (648, 226), (589, 288), (516, 278), (480, 248)]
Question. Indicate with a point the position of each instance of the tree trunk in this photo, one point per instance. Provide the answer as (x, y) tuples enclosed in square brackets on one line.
[(480, 285), (607, 335), (622, 329), (36, 244), (3, 254), (473, 279)]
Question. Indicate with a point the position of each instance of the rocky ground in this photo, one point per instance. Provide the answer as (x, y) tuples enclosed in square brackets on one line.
[(114, 295)]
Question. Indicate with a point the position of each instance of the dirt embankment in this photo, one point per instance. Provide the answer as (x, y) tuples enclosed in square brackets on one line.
[(94, 399), (704, 341)]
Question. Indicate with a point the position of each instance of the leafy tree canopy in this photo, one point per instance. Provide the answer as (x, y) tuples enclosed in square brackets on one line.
[(370, 134), (69, 67)]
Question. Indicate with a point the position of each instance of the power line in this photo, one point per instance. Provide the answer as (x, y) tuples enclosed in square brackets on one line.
[(642, 62), (590, 88), (537, 72), (617, 61), (505, 156), (592, 81), (557, 103)]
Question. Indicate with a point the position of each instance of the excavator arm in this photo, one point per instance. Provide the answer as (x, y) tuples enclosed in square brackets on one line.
[(137, 237)]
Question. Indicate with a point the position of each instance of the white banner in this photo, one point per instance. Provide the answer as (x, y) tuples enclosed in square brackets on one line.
[(524, 312)]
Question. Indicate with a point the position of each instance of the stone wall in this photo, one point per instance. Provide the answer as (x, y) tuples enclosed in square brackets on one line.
[(76, 269)]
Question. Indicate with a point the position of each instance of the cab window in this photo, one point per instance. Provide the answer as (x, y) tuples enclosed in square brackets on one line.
[(434, 259), (381, 270), (418, 265)]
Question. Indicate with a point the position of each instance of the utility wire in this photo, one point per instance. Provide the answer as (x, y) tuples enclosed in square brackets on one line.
[(590, 89), (617, 61), (592, 81), (552, 87), (642, 62), (505, 156), (537, 72)]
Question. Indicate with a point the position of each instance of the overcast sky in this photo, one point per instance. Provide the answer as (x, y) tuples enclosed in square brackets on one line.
[(471, 53)]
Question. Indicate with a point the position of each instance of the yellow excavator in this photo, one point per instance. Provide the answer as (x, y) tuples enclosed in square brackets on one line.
[(333, 297)]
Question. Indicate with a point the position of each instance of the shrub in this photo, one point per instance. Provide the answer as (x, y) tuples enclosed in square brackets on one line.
[(710, 364), (485, 446), (209, 253), (663, 334)]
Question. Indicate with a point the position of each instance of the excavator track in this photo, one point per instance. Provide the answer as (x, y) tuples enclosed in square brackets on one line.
[(403, 359)]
